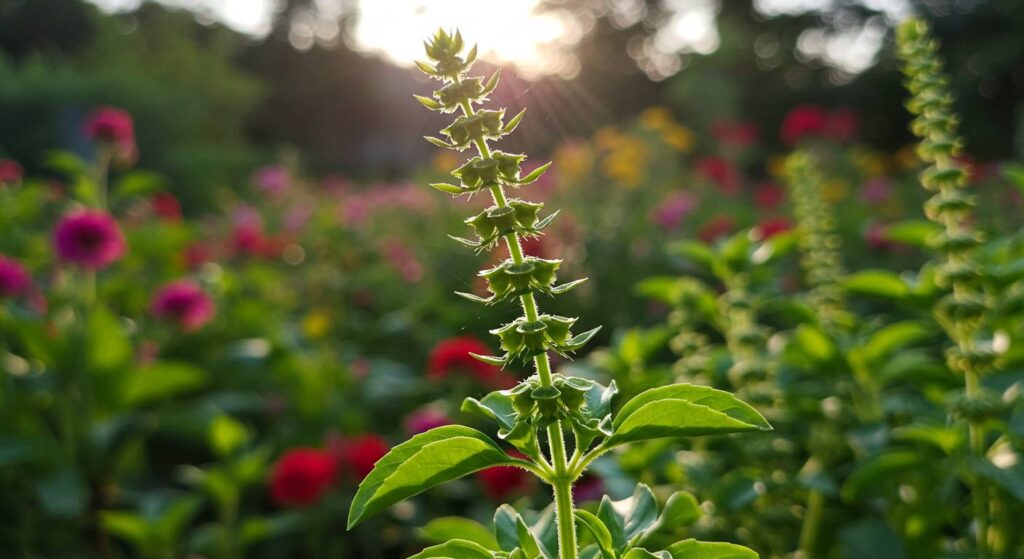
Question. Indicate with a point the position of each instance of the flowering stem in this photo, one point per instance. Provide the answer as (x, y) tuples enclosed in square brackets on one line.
[(562, 479)]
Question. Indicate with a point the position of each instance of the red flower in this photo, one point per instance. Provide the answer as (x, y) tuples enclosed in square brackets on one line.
[(452, 356), (841, 125), (670, 213), (361, 453), (772, 226), (110, 125), (166, 206), (721, 172), (197, 254), (302, 476), (183, 303), (90, 238), (716, 227), (10, 172), (768, 196), (802, 122), (736, 133), (501, 482), (14, 280)]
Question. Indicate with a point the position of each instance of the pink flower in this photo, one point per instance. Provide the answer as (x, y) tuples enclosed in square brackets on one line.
[(166, 206), (425, 419), (110, 125), (302, 477), (403, 259), (768, 196), (876, 191), (273, 180), (721, 172), (802, 122), (10, 172), (14, 280), (184, 303), (452, 356), (670, 213), (89, 238)]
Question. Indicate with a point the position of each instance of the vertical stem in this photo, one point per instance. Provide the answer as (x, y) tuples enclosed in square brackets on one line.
[(562, 482), (979, 493), (811, 525)]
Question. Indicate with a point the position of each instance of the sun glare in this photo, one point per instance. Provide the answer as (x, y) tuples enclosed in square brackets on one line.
[(537, 42)]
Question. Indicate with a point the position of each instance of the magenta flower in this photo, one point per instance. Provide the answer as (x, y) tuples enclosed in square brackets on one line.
[(184, 303), (425, 419), (670, 213), (14, 280), (10, 172), (89, 238), (876, 191), (107, 124), (273, 180), (802, 122)]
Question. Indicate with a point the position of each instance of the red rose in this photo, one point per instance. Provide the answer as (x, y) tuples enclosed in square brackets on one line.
[(768, 196), (772, 226), (452, 356), (10, 172), (716, 227), (721, 172), (801, 122), (166, 206), (302, 476), (361, 453), (501, 482)]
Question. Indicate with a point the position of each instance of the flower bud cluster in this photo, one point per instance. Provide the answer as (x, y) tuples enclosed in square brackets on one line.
[(532, 335), (964, 307), (819, 244)]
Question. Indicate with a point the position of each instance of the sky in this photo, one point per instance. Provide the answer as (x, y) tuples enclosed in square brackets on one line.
[(541, 43)]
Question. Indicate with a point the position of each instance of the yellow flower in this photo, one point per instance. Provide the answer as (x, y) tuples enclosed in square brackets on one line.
[(656, 118), (445, 160), (869, 162), (678, 137), (316, 324), (627, 164), (607, 138), (776, 166), (906, 158), (573, 161), (835, 190)]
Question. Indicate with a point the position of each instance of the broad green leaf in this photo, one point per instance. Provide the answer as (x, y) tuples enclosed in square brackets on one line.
[(447, 528), (126, 525), (871, 538), (108, 346), (226, 435), (63, 493), (260, 528), (162, 379), (693, 549), (683, 410), (877, 283), (641, 553), (814, 343), (642, 513), (455, 549), (681, 509), (139, 183), (613, 521), (602, 536), (914, 232), (428, 459), (496, 406), (695, 251), (506, 527), (893, 337), (1010, 478)]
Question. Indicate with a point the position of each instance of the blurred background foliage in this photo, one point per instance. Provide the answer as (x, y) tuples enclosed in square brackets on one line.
[(210, 100)]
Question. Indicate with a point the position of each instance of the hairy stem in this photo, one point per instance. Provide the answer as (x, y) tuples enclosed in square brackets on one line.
[(562, 480)]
